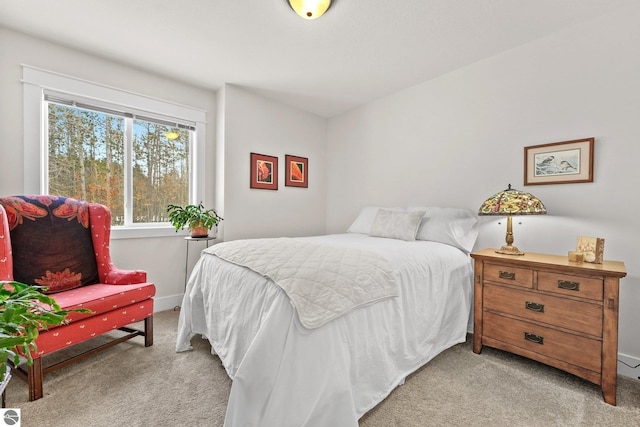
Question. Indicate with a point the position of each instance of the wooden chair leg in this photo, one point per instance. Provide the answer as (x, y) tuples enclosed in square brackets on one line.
[(34, 374), (148, 331), (34, 379)]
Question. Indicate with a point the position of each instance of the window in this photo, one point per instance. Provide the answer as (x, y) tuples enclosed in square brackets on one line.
[(86, 159), (132, 153)]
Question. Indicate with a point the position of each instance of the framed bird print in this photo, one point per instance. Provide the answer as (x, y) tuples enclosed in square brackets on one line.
[(264, 172), (564, 162), (296, 171)]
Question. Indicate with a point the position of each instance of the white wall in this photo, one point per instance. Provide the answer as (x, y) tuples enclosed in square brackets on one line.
[(458, 139), (162, 257), (246, 123), (452, 141), (256, 124)]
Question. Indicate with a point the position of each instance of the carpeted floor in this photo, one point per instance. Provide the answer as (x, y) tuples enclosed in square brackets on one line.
[(136, 386)]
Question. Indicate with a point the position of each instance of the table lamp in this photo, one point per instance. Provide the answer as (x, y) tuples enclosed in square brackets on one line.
[(511, 202)]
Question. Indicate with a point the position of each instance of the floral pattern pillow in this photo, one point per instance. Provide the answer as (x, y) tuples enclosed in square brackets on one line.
[(51, 241)]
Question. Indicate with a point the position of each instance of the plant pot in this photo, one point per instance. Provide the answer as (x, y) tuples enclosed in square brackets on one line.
[(199, 232)]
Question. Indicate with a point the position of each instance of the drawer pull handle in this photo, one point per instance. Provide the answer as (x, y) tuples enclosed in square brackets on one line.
[(568, 285), (537, 339), (534, 306), (507, 275)]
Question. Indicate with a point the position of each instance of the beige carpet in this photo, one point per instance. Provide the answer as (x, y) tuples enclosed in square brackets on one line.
[(131, 385)]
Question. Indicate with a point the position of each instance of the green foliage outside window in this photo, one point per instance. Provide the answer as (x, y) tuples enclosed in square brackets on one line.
[(86, 161)]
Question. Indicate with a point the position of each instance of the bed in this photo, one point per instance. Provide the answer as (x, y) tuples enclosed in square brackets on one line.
[(292, 368)]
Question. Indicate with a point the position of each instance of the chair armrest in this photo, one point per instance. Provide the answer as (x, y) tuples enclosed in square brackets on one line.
[(118, 276), (100, 218)]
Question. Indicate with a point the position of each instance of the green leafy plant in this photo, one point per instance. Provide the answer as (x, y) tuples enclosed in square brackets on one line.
[(192, 216), (24, 310)]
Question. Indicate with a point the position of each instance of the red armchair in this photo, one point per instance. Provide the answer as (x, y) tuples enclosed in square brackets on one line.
[(63, 244)]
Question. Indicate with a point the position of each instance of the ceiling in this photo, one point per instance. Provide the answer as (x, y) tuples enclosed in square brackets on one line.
[(360, 50)]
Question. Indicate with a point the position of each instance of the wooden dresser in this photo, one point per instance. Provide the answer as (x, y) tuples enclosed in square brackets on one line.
[(547, 308)]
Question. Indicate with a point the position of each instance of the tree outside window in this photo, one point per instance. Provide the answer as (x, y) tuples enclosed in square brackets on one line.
[(93, 156)]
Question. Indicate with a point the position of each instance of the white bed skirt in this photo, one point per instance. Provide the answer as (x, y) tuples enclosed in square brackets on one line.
[(286, 375)]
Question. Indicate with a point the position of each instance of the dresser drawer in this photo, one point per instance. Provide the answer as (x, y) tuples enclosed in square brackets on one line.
[(508, 275), (571, 285), (573, 349), (577, 316)]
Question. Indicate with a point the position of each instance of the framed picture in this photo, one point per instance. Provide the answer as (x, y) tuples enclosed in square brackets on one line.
[(592, 249), (559, 162), (264, 171), (297, 171)]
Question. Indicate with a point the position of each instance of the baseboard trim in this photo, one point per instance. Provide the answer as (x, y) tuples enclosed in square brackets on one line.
[(628, 366), (167, 303)]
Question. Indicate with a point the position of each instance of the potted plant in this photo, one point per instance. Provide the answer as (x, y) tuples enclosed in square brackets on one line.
[(195, 217), (24, 310)]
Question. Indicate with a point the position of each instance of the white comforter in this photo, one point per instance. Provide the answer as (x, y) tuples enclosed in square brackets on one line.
[(287, 375)]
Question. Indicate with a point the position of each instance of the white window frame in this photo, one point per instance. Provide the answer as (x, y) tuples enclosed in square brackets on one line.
[(36, 81)]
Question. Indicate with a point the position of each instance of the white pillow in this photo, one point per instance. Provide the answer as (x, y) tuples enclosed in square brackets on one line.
[(452, 226), (364, 221), (396, 225)]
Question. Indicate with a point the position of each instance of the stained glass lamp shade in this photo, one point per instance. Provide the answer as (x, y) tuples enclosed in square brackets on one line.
[(508, 203)]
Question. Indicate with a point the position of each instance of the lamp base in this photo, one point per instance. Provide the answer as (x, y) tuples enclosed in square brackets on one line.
[(509, 250)]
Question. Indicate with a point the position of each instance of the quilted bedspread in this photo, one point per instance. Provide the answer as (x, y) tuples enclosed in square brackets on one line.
[(322, 281)]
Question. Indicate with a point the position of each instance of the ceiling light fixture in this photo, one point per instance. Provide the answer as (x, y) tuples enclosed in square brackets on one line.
[(309, 9)]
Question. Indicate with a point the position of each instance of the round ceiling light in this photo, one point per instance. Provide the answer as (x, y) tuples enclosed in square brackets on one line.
[(310, 9)]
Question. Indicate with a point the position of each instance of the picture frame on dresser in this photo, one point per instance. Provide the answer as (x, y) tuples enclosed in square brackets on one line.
[(566, 162)]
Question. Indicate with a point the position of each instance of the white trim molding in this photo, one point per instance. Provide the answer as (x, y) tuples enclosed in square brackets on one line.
[(36, 81)]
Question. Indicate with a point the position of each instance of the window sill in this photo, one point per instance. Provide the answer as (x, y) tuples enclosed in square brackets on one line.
[(141, 232)]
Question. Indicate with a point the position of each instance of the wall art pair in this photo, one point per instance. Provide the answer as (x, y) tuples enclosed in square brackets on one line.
[(264, 171)]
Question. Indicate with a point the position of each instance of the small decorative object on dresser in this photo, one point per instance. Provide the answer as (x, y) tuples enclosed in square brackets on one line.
[(546, 308), (592, 249)]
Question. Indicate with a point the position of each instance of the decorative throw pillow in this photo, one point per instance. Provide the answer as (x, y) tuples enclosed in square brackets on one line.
[(51, 242), (451, 226), (366, 216), (396, 225)]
